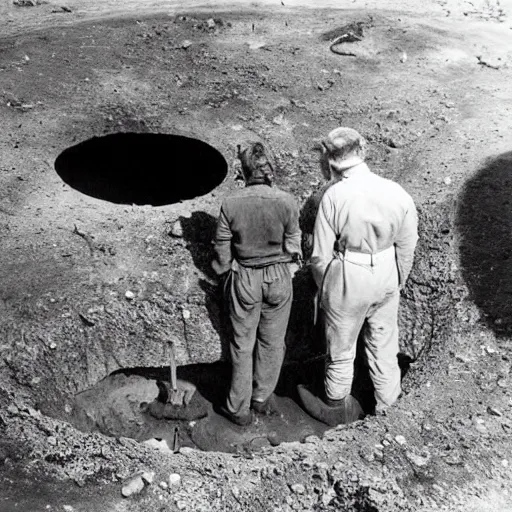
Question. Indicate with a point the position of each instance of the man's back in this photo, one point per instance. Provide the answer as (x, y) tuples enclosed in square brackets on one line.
[(261, 223), (367, 211)]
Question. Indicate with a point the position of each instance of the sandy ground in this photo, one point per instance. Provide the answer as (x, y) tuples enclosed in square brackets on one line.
[(430, 87)]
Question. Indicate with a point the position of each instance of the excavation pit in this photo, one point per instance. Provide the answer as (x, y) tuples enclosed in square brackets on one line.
[(117, 406), (142, 168)]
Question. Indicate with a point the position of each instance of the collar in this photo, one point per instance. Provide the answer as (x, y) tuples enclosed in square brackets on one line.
[(350, 167)]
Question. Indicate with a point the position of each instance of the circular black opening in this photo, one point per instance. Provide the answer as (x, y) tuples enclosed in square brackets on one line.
[(142, 168)]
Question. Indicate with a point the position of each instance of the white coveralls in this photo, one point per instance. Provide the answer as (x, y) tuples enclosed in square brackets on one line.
[(374, 223)]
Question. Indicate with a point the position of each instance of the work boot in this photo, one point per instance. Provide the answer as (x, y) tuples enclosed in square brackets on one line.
[(242, 421), (337, 412), (266, 408)]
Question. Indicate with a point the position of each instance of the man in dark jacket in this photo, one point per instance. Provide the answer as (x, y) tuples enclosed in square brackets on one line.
[(256, 244)]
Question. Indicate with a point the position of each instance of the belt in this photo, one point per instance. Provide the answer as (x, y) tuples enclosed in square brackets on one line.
[(362, 258)]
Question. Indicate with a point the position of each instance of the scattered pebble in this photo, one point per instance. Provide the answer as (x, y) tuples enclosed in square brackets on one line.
[(403, 58), (148, 477), (177, 230), (447, 180), (159, 445), (417, 460), (298, 488), (400, 440), (186, 44), (134, 486), (236, 492), (174, 480), (129, 295), (12, 409), (185, 314), (493, 411), (256, 45)]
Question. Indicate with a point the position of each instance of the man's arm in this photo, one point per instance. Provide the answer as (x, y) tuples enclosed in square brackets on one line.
[(292, 234), (323, 241), (405, 243), (222, 246)]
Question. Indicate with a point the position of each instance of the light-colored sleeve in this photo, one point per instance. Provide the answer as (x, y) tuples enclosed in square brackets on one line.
[(222, 245), (292, 234), (323, 240), (405, 243)]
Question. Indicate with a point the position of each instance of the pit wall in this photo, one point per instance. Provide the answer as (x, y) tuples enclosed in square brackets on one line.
[(64, 342)]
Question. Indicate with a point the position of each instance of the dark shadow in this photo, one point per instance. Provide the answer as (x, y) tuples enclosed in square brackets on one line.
[(199, 233), (142, 168), (484, 220), (211, 379)]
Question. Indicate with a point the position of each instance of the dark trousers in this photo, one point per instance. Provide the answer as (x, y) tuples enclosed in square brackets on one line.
[(260, 300)]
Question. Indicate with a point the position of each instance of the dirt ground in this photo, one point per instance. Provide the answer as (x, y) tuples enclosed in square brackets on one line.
[(96, 279)]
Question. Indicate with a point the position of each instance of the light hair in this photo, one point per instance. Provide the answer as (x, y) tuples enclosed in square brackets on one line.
[(344, 143)]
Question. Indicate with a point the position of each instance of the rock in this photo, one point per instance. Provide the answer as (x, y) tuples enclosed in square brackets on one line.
[(174, 480), (447, 180), (256, 45), (278, 119), (210, 23), (400, 440), (378, 454), (181, 505), (68, 508), (134, 486), (148, 477), (186, 450), (177, 230), (236, 492), (129, 295), (163, 485), (417, 460), (186, 44), (493, 411), (52, 440), (454, 459), (12, 409), (403, 58), (159, 445), (298, 488), (503, 382), (185, 313)]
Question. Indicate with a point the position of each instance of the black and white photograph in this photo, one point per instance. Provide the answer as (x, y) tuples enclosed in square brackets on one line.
[(255, 256)]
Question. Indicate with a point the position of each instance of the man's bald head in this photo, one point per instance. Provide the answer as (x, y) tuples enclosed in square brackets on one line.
[(343, 145)]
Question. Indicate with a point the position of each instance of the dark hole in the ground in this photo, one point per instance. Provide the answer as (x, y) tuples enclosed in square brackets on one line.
[(142, 168), (484, 219)]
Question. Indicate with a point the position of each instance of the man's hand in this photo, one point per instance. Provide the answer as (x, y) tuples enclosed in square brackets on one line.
[(294, 268)]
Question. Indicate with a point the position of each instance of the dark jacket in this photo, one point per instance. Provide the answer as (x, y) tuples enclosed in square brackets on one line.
[(258, 226)]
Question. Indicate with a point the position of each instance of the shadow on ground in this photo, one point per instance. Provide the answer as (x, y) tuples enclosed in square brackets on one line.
[(484, 220)]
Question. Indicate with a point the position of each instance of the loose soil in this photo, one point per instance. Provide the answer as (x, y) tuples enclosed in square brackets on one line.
[(97, 281)]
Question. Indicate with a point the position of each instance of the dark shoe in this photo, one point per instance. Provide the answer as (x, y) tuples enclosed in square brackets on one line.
[(266, 408), (343, 412), (242, 421)]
